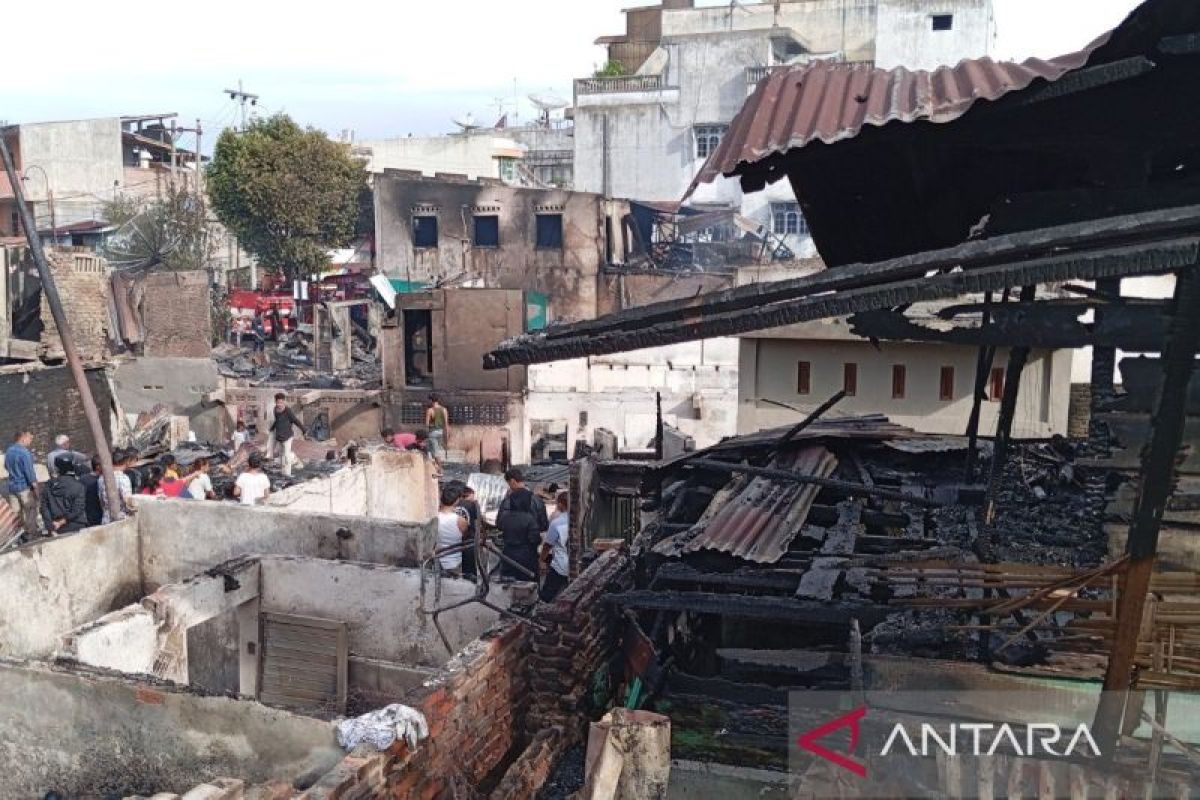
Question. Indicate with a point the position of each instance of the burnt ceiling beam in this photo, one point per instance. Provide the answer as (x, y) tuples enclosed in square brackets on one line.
[(1095, 233), (1185, 44), (1017, 357), (1128, 260), (1138, 328), (1080, 80)]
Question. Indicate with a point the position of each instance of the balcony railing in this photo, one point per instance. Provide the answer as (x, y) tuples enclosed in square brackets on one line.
[(757, 73), (619, 83)]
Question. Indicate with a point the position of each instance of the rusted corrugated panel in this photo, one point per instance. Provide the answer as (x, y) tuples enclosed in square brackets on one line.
[(829, 101), (761, 521)]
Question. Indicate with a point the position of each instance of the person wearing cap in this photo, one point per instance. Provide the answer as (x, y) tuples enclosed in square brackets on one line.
[(64, 500), (522, 520)]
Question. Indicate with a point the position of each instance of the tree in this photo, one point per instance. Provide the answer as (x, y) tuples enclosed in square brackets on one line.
[(289, 193), (171, 231), (611, 69)]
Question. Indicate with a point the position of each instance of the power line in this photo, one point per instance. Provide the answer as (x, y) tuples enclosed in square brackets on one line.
[(240, 96)]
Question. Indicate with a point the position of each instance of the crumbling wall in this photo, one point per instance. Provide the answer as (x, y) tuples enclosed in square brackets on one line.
[(181, 538), (55, 585), (82, 280), (176, 314), (44, 400), (382, 606), (93, 734), (474, 709), (394, 485)]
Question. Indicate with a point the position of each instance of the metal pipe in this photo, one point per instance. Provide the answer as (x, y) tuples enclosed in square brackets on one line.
[(64, 332)]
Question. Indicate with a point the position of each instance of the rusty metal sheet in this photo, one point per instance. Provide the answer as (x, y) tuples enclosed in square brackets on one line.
[(829, 101), (759, 523)]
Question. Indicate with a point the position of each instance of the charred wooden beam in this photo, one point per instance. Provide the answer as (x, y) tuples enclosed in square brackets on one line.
[(983, 366), (757, 581), (1017, 357), (1185, 44), (803, 477), (774, 609), (1051, 324), (1080, 80), (1145, 259), (1157, 481)]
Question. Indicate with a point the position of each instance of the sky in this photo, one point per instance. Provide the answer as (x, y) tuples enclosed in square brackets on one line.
[(376, 68)]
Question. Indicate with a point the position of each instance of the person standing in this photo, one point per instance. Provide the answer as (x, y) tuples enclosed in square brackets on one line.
[(470, 506), (62, 446), (437, 421), (240, 435), (22, 482), (91, 493), (64, 500), (253, 486), (452, 526), (522, 519), (200, 485), (282, 430), (122, 466), (556, 539)]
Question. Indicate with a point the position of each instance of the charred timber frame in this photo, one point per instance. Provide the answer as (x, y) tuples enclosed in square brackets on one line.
[(983, 366), (1017, 358), (1114, 247), (1157, 481)]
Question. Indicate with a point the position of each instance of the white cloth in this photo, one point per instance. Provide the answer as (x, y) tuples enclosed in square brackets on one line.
[(240, 438), (379, 729), (556, 536), (254, 486), (200, 486), (449, 535), (124, 491)]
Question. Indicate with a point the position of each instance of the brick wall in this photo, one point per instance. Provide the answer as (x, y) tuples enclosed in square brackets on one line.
[(512, 686), (82, 281), (177, 314), (1079, 410), (44, 400)]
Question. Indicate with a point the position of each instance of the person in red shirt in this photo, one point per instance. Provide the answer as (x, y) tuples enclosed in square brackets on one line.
[(402, 440)]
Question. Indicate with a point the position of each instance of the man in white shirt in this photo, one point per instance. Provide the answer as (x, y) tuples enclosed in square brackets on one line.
[(252, 486), (122, 460), (556, 538), (199, 483)]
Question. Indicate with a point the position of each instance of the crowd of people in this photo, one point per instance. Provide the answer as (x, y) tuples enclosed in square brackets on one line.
[(534, 542)]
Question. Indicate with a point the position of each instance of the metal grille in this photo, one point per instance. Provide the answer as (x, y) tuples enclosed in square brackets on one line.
[(303, 663), (619, 517), (460, 413)]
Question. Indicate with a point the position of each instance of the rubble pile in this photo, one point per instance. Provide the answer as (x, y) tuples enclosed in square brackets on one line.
[(289, 364)]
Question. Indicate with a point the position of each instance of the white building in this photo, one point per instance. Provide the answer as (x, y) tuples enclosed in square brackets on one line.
[(644, 136)]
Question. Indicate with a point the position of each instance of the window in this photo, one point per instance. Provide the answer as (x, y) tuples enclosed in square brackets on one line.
[(850, 379), (425, 231), (549, 232), (787, 219), (946, 384), (996, 383), (942, 22), (487, 231), (508, 169), (418, 347), (707, 139), (899, 373), (803, 377)]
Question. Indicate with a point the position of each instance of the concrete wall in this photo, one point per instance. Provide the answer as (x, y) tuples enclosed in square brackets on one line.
[(382, 606), (698, 382), (769, 371), (88, 735), (474, 155), (394, 485), (178, 383), (182, 538), (83, 161), (125, 640), (55, 585), (567, 275), (907, 39)]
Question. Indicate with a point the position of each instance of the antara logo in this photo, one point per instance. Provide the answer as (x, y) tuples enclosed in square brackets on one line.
[(964, 738)]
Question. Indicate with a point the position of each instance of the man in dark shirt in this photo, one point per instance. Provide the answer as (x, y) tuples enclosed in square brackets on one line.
[(282, 431), (63, 499), (522, 519), (470, 505), (91, 493)]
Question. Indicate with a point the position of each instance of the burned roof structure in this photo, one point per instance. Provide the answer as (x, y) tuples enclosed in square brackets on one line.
[(987, 179)]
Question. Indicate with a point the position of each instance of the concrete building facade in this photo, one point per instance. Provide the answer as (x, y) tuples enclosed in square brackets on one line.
[(927, 387), (645, 135)]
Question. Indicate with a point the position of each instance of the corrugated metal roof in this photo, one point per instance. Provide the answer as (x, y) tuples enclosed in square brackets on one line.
[(827, 101), (759, 523)]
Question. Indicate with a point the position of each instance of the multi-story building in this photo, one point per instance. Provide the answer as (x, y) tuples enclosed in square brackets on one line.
[(644, 134)]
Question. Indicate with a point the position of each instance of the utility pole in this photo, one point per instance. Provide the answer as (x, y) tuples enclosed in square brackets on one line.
[(241, 96), (50, 292)]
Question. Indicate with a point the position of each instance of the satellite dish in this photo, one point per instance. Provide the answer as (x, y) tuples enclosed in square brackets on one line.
[(548, 102), (466, 121)]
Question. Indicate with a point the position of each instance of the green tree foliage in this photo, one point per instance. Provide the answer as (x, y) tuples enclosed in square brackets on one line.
[(170, 231), (611, 69), (289, 193)]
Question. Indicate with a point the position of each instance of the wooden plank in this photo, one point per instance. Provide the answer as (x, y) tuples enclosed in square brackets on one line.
[(819, 581), (303, 662)]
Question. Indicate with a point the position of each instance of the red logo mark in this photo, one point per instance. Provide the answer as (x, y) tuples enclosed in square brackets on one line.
[(808, 741)]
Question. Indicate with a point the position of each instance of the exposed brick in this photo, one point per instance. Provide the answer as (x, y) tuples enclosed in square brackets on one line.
[(82, 281), (44, 401), (177, 315)]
